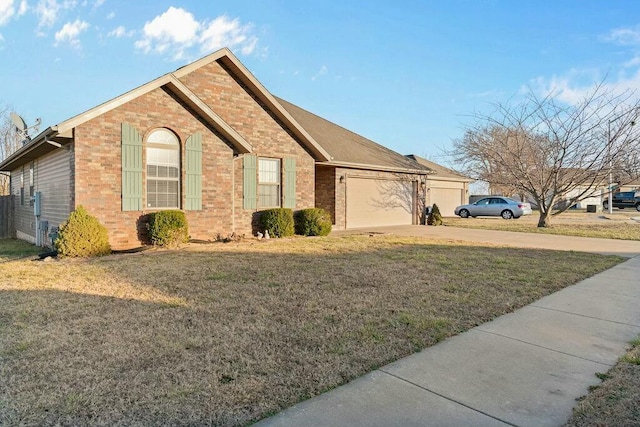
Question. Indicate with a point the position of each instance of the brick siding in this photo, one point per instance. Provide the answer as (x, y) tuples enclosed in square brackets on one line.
[(97, 154)]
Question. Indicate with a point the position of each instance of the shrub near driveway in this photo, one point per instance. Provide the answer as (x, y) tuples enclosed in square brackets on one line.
[(226, 334)]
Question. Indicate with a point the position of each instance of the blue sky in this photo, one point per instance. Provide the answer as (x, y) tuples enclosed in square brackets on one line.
[(407, 74)]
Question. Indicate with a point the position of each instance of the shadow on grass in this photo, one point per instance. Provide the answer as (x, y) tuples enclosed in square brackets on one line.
[(231, 333)]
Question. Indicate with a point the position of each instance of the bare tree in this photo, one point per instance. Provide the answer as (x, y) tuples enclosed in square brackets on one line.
[(9, 143), (553, 152)]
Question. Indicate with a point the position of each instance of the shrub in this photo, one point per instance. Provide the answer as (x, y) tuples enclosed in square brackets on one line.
[(82, 235), (168, 228), (312, 222), (434, 218), (278, 222)]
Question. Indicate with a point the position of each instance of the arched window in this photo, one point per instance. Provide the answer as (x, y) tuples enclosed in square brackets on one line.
[(163, 169)]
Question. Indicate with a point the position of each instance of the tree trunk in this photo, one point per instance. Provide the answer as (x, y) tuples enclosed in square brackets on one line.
[(545, 219)]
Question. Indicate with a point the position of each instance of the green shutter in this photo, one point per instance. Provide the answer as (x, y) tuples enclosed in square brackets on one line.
[(194, 172), (131, 168), (289, 184), (250, 181)]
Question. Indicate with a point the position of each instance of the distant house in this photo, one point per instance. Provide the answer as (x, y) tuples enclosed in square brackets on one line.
[(209, 139)]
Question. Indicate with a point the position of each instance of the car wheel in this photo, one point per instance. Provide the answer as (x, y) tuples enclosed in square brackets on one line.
[(506, 214), (638, 207), (605, 205), (464, 213)]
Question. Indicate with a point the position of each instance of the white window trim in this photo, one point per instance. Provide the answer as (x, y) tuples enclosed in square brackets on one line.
[(165, 139), (277, 184)]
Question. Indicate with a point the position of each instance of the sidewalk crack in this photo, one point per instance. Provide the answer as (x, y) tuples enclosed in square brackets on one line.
[(447, 398)]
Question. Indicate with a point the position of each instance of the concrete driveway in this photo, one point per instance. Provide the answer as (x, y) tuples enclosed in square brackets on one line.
[(625, 248)]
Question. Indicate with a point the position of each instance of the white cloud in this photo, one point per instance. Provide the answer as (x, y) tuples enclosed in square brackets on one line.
[(575, 87), (321, 72), (629, 36), (120, 32), (98, 3), (7, 10), (48, 11), (226, 32), (176, 31), (70, 32), (111, 15)]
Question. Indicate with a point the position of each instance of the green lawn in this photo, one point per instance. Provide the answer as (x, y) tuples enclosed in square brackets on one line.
[(12, 249)]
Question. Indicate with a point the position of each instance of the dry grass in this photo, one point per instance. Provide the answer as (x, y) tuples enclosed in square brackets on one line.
[(225, 334), (13, 249), (616, 401), (620, 225)]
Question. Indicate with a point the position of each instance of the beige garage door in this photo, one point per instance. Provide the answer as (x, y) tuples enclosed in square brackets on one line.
[(375, 202), (447, 199)]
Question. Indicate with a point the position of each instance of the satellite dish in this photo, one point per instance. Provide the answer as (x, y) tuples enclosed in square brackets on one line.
[(18, 122)]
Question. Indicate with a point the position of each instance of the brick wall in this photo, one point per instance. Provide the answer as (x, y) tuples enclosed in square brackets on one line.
[(230, 99), (97, 154), (326, 189), (98, 167)]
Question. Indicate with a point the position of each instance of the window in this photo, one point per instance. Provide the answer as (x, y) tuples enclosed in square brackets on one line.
[(31, 184), (22, 186), (163, 169), (268, 183)]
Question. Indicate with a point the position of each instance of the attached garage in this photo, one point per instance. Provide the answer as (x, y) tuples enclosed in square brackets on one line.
[(447, 195), (445, 187), (379, 202)]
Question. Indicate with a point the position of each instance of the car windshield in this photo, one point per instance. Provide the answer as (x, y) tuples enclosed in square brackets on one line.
[(510, 200)]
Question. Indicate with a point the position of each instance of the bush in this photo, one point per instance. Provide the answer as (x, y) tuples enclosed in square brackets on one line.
[(434, 217), (82, 235), (168, 228), (312, 222), (278, 222)]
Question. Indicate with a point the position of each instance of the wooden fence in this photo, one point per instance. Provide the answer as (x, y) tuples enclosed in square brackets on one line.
[(7, 225)]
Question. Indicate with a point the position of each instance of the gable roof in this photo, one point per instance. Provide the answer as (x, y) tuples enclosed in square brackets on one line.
[(439, 170), (233, 64), (53, 136), (349, 149)]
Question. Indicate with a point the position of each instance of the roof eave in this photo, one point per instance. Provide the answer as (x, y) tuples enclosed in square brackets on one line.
[(376, 167), (229, 60), (39, 145)]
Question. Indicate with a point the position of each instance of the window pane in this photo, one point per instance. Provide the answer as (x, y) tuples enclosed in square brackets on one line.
[(162, 136), (163, 170), (269, 171), (268, 195)]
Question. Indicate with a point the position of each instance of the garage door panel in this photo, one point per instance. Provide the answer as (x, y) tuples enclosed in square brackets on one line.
[(375, 202), (447, 199)]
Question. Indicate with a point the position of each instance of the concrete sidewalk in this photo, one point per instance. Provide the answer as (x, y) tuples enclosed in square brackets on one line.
[(522, 369)]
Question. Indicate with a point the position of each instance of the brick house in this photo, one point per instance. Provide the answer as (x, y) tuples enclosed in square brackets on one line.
[(211, 140)]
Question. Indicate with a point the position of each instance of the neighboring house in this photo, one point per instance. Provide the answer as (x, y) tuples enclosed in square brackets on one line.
[(208, 139), (445, 187)]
